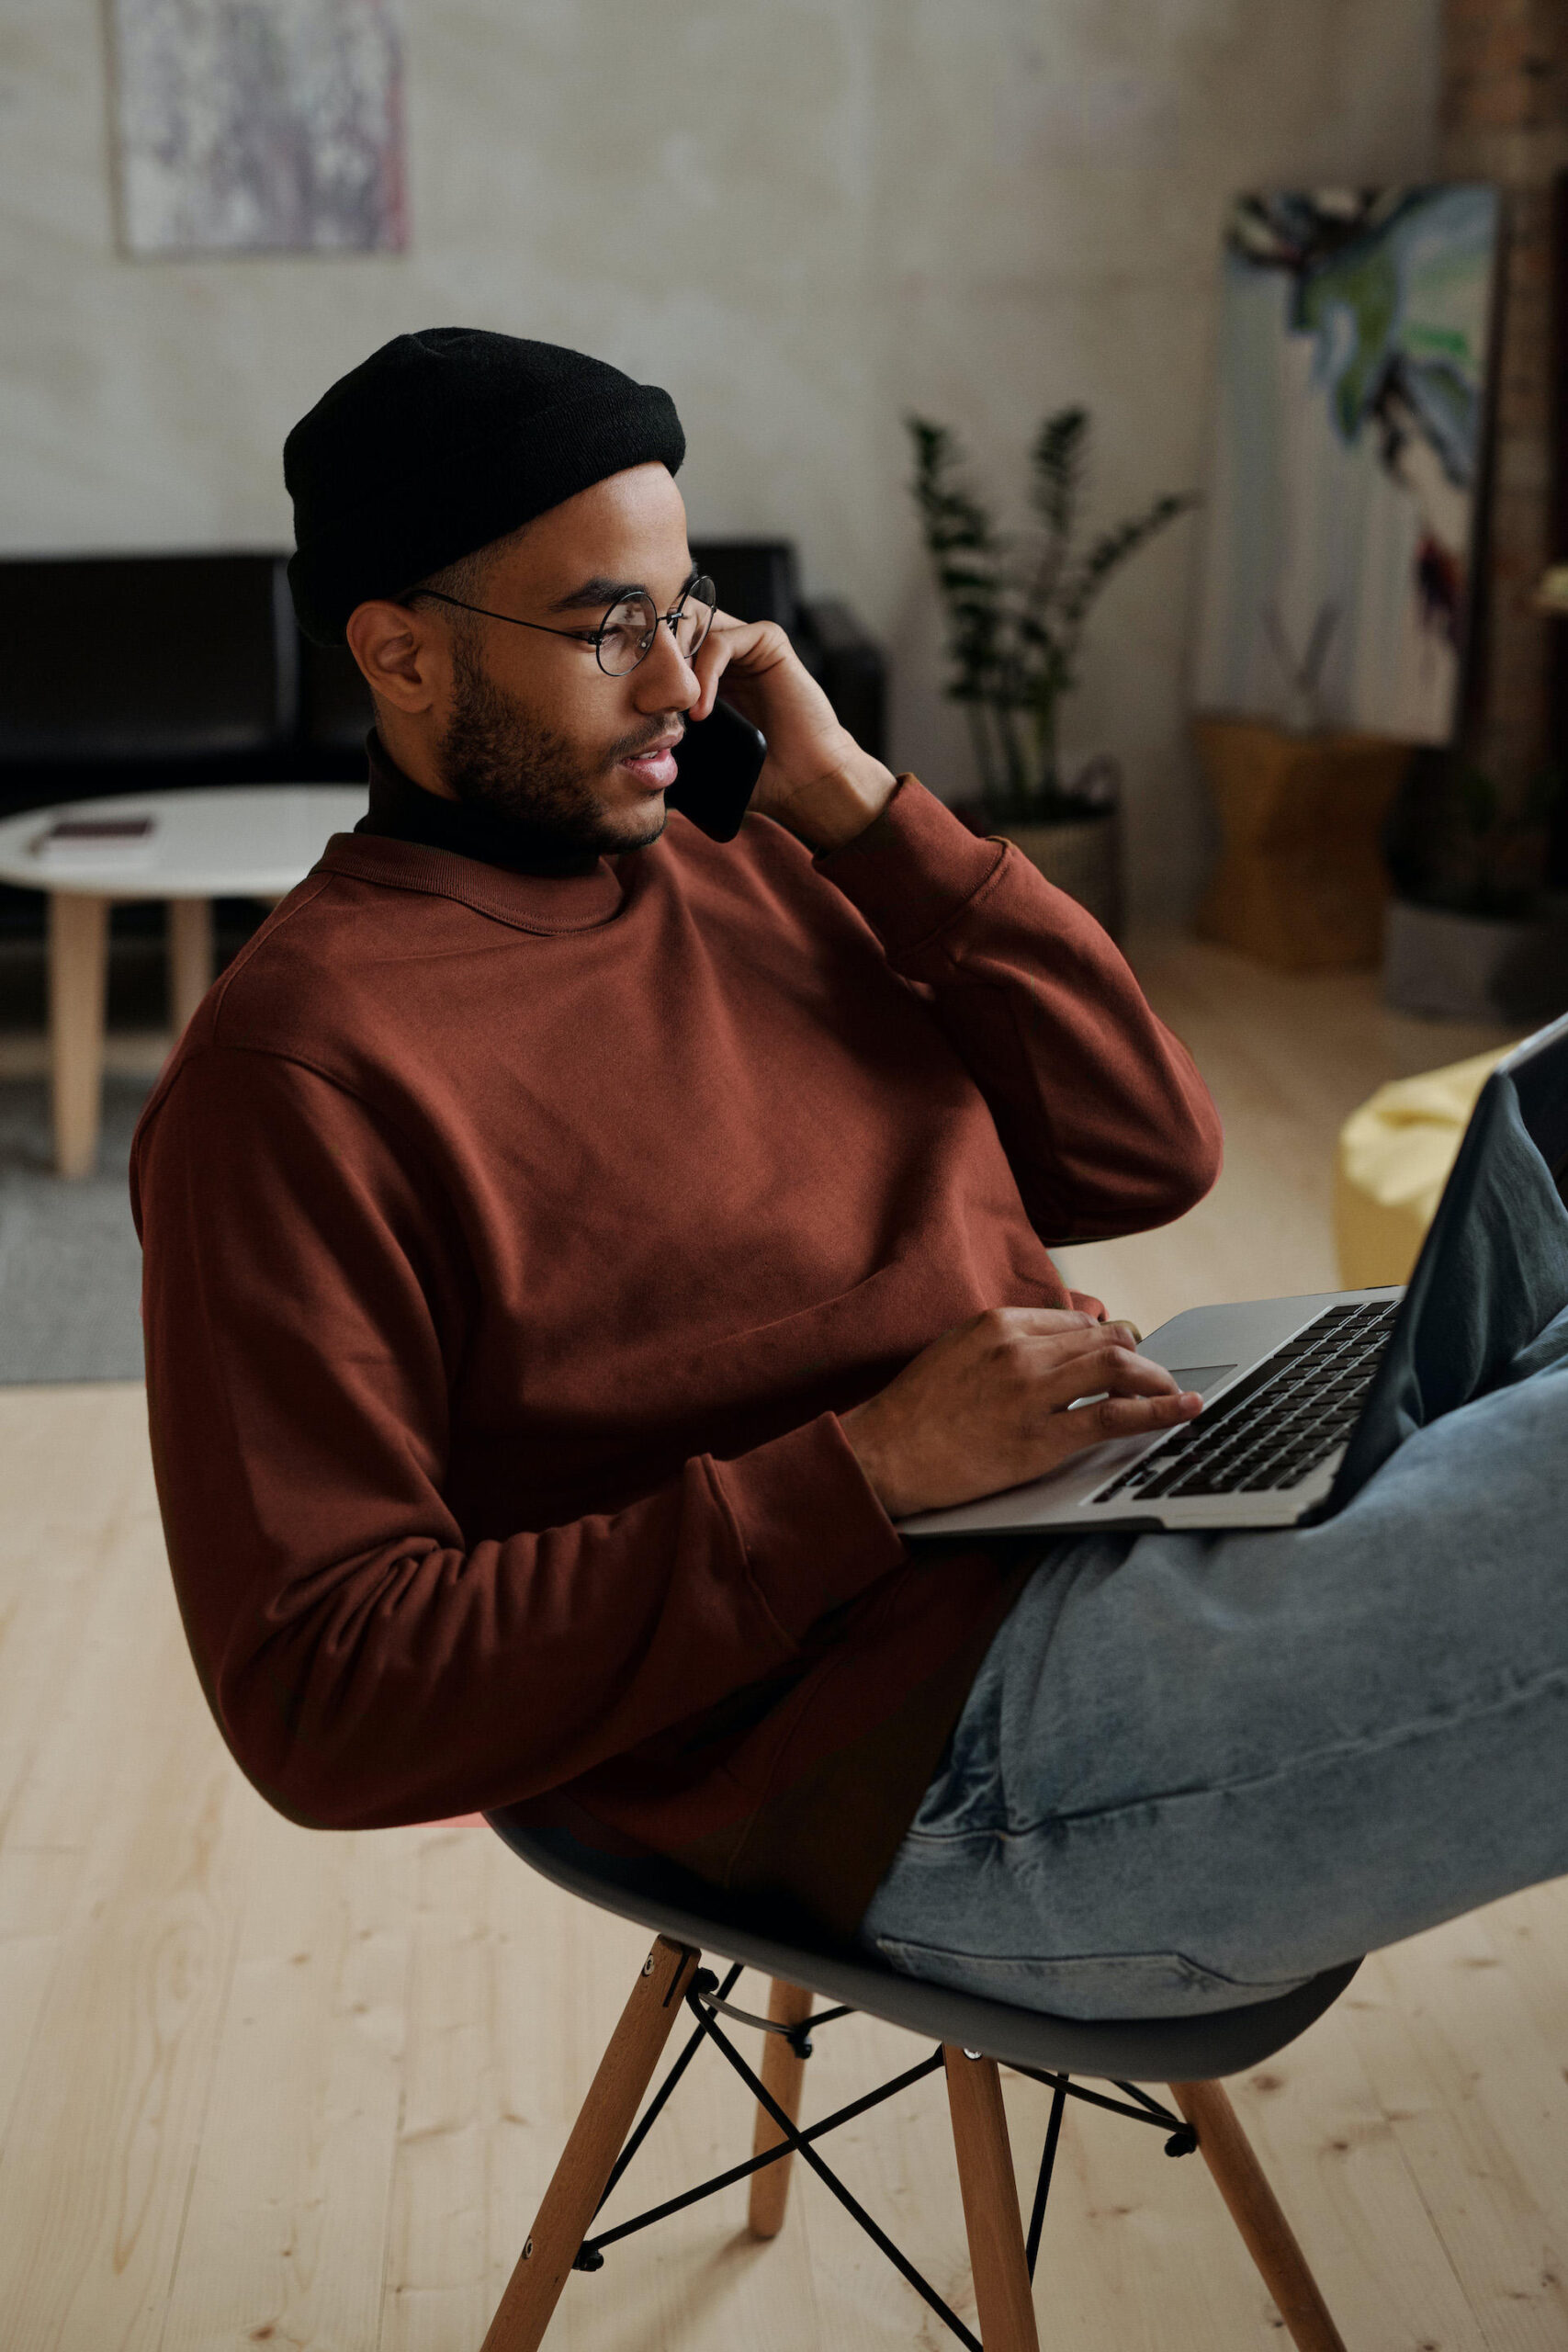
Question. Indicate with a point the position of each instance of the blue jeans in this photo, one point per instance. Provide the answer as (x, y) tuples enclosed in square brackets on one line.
[(1195, 1769)]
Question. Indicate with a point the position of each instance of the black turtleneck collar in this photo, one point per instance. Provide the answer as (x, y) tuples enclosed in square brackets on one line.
[(404, 812)]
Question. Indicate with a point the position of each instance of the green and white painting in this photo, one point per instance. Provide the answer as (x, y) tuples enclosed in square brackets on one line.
[(1351, 400)]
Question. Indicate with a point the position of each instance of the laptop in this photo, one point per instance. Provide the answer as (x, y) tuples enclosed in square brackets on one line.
[(1286, 1382)]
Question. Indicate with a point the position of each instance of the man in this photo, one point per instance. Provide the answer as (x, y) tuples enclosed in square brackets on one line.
[(570, 1243), (569, 1240)]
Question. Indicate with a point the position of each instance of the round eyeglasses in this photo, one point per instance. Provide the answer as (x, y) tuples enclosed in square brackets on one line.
[(626, 635)]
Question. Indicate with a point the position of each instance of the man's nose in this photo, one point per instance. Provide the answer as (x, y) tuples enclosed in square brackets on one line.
[(664, 679)]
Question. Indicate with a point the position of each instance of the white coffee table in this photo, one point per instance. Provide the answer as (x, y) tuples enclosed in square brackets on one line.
[(250, 840)]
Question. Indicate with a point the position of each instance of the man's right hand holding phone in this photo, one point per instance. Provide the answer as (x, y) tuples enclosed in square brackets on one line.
[(815, 780)]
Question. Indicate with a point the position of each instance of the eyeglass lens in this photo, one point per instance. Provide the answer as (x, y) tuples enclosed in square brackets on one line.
[(630, 627)]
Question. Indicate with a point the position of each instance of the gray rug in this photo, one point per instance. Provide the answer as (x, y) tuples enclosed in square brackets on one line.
[(70, 1266)]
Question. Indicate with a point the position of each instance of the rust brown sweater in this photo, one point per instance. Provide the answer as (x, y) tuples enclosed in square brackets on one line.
[(511, 1244)]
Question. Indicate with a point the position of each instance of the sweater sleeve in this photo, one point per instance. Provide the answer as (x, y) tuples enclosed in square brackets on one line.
[(303, 1312), (1107, 1126)]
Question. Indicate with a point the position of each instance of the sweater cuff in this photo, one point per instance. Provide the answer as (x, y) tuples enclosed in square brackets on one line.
[(814, 1534), (913, 869)]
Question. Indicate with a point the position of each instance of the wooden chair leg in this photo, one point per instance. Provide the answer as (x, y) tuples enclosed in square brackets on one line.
[(78, 965), (783, 2074), (992, 2217), (189, 959), (1256, 2213), (597, 2138)]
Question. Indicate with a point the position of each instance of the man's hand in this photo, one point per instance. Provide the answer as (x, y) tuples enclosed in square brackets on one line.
[(984, 1406), (815, 779)]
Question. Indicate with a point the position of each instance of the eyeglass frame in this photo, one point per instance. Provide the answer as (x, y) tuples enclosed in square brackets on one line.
[(596, 637)]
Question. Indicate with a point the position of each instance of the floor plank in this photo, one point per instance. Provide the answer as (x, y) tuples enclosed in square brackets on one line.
[(1339, 2168), (107, 2120), (1482, 2111), (286, 2235)]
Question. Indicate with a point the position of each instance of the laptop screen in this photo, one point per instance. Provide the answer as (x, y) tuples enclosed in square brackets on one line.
[(1494, 1268), (1538, 1068)]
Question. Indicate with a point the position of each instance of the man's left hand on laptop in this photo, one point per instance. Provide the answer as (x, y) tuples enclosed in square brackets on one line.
[(988, 1406)]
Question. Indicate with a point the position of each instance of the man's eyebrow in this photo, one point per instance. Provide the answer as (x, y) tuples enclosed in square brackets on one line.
[(594, 595)]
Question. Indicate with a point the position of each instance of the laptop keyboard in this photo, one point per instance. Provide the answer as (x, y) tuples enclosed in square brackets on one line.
[(1274, 1427)]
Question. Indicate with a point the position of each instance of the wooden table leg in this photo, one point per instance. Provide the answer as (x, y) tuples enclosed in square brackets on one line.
[(189, 958), (1271, 2240), (78, 968), (992, 2217), (783, 2074), (597, 2138)]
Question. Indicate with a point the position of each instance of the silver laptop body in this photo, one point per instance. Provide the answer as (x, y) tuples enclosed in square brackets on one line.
[(1284, 1382), (1328, 1345)]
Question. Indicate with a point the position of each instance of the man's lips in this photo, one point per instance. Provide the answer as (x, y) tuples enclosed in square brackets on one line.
[(655, 767)]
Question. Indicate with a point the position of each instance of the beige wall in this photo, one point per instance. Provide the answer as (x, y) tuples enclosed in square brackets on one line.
[(805, 218)]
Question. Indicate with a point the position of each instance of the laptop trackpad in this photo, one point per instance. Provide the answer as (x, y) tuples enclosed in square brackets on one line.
[(1203, 1378)]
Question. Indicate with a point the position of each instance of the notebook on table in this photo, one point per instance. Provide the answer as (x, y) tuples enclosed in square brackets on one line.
[(88, 841)]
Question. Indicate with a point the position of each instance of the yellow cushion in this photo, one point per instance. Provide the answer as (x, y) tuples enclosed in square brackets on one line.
[(1394, 1160)]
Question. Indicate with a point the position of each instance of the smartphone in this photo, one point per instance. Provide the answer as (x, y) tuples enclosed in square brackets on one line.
[(718, 762)]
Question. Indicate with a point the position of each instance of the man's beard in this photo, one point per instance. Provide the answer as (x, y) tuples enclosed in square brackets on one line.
[(498, 755)]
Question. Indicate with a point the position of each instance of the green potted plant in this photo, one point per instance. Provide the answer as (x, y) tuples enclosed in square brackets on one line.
[(1016, 608)]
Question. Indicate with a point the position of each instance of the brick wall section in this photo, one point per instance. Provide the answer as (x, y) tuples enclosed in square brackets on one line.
[(1504, 118)]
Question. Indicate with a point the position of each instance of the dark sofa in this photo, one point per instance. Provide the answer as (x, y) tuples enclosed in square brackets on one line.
[(135, 672)]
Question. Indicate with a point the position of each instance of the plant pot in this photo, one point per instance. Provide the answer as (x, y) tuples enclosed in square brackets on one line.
[(1475, 967), (1082, 856), (1301, 881)]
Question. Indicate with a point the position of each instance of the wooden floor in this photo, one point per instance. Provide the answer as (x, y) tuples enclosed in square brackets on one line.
[(262, 2086)]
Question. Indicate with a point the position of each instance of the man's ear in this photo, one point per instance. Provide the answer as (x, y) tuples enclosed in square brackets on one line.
[(405, 657)]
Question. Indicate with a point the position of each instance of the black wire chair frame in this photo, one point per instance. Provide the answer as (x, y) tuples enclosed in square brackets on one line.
[(708, 1999)]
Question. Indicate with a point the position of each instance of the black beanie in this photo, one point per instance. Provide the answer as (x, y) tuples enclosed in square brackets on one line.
[(439, 443)]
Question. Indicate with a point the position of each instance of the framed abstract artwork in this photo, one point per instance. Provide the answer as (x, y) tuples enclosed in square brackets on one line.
[(259, 126), (1351, 402)]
